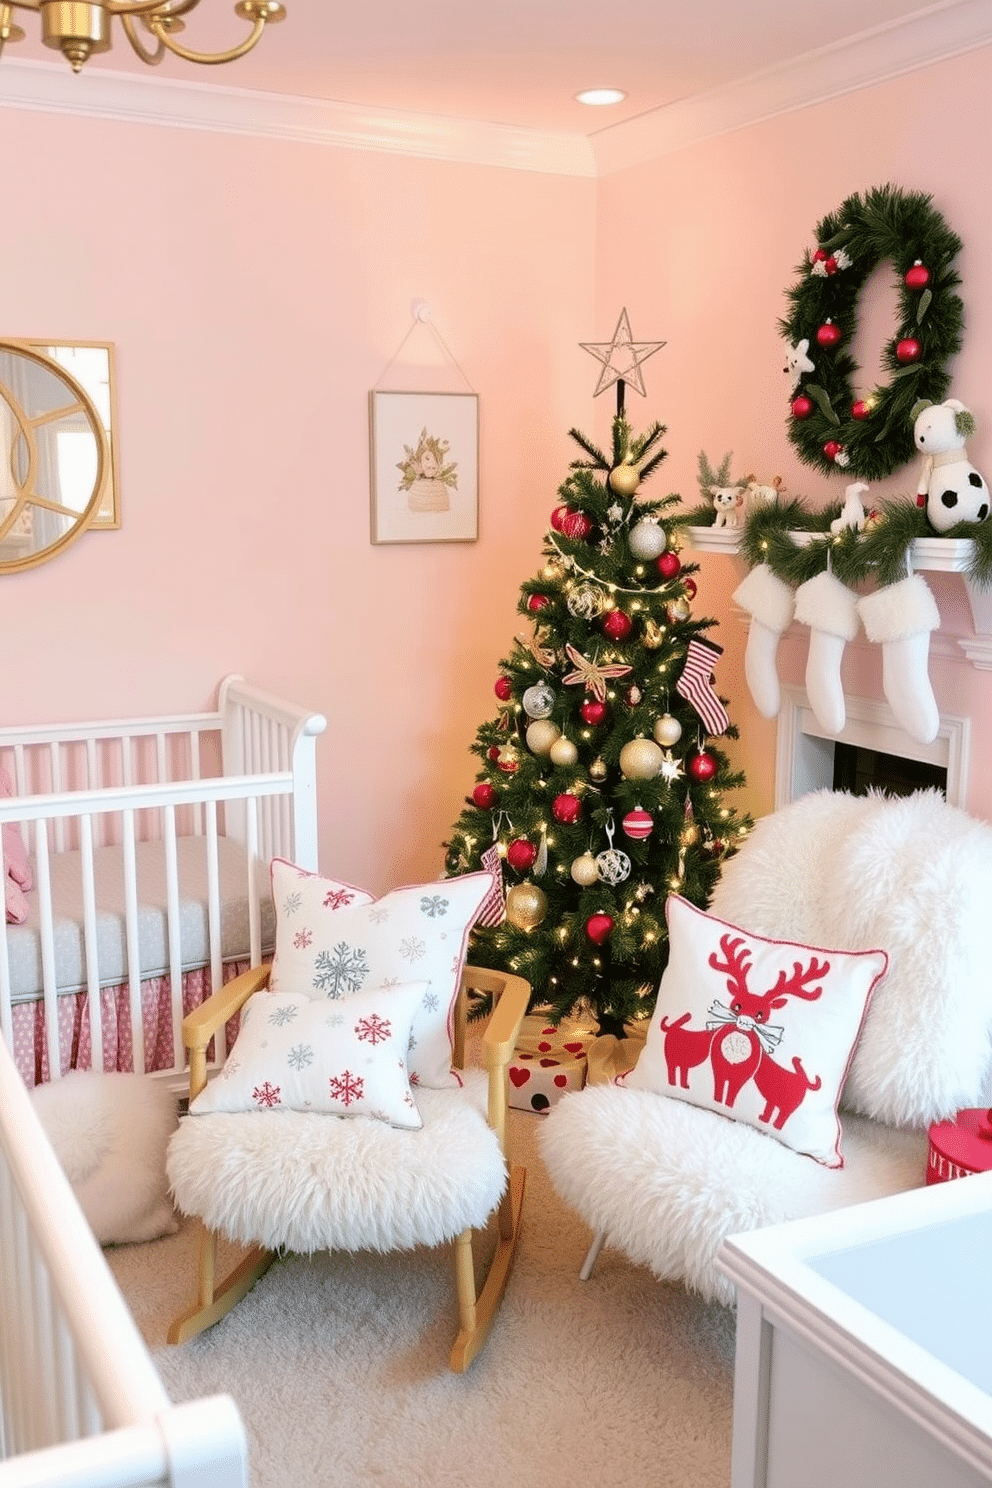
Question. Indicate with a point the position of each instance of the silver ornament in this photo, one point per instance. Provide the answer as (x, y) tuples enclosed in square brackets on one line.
[(613, 865), (538, 700), (584, 602), (647, 540)]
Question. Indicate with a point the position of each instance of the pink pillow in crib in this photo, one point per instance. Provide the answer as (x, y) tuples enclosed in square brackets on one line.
[(18, 869)]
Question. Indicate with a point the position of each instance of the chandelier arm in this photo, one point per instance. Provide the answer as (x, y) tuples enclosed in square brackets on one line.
[(153, 58), (166, 8), (187, 55)]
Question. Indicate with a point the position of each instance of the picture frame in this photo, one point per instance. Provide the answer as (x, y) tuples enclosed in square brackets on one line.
[(424, 466)]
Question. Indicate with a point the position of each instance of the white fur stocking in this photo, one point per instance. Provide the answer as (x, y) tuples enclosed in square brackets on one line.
[(900, 618), (769, 602), (830, 610)]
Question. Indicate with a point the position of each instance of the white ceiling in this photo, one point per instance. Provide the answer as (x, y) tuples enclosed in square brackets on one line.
[(512, 62)]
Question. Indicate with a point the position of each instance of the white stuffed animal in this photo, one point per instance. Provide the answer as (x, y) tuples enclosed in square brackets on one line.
[(852, 513), (729, 503), (758, 494), (950, 487)]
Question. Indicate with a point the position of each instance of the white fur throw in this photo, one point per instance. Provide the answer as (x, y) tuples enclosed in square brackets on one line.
[(109, 1133), (913, 876), (307, 1181), (669, 1182)]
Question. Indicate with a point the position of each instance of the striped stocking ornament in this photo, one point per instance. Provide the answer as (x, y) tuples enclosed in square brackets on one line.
[(696, 684)]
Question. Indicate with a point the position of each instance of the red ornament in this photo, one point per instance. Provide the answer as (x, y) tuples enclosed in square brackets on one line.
[(566, 809), (669, 564), (832, 449), (521, 854), (617, 625), (558, 516), (633, 695), (802, 406), (594, 712), (599, 928), (860, 409), (503, 689), (537, 602), (702, 767), (576, 524), (829, 335), (689, 585), (908, 350), (508, 763), (828, 261), (918, 277), (638, 824), (485, 795)]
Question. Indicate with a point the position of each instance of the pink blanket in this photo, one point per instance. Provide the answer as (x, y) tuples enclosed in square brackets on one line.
[(17, 876)]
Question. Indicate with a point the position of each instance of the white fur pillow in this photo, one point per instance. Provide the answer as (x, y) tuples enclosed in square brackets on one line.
[(913, 875), (109, 1133)]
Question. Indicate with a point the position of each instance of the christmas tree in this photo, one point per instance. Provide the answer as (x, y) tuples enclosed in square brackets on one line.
[(601, 787)]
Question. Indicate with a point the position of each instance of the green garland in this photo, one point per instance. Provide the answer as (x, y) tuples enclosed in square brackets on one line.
[(831, 426), (879, 552)]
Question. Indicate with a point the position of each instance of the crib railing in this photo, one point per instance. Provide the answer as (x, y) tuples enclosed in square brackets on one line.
[(81, 1404), (42, 817)]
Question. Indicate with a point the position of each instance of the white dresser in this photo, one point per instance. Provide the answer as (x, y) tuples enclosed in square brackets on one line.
[(864, 1345)]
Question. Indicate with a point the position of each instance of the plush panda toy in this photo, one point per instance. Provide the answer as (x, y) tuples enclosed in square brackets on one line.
[(950, 487)]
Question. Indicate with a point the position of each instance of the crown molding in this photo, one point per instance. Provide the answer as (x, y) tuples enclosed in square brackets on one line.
[(101, 94), (931, 35)]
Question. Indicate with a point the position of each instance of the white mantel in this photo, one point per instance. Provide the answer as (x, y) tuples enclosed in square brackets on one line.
[(934, 554)]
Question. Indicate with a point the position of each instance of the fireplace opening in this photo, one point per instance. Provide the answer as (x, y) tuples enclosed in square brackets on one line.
[(859, 770)]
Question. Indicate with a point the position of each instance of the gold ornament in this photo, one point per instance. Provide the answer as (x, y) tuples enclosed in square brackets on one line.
[(563, 752), (654, 634), (624, 479), (542, 654), (597, 770), (678, 610), (526, 906), (640, 759), (541, 735), (585, 870), (690, 835), (667, 730)]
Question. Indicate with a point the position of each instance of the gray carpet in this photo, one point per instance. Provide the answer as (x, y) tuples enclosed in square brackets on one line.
[(338, 1365)]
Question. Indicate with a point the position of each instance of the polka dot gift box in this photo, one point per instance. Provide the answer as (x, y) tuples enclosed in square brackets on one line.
[(548, 1061)]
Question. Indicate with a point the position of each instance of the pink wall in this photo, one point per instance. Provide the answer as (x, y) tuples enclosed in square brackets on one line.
[(255, 292), (719, 231)]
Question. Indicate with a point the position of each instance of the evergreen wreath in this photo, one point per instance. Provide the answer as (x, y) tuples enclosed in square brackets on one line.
[(829, 426)]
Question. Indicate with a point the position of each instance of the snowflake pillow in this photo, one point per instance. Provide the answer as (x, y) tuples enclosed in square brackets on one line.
[(332, 941), (342, 1058), (762, 1031)]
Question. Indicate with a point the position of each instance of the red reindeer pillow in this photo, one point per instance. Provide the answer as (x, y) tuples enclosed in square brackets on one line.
[(761, 1031)]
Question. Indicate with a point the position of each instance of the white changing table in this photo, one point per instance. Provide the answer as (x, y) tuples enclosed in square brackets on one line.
[(864, 1344)]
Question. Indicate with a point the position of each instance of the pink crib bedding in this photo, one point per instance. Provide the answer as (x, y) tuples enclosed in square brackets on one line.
[(75, 1040)]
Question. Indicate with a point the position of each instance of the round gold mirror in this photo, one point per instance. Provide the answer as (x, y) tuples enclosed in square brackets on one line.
[(54, 457)]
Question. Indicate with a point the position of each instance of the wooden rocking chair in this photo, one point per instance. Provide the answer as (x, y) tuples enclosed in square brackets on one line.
[(208, 1179)]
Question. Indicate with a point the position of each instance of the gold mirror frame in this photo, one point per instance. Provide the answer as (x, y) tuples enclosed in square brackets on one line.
[(31, 475)]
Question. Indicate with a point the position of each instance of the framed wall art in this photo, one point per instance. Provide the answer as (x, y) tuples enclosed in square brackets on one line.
[(424, 464)]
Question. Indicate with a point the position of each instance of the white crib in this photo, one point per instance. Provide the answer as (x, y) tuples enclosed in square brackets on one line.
[(150, 840), (81, 1404)]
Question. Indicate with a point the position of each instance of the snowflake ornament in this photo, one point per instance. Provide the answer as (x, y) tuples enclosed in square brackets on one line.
[(671, 768)]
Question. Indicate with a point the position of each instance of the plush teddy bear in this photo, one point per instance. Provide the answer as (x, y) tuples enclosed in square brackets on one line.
[(950, 487), (729, 503)]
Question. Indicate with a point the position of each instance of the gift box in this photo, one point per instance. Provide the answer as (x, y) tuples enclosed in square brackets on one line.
[(548, 1061)]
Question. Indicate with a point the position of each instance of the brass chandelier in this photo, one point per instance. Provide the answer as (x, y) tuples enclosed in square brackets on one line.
[(78, 28)]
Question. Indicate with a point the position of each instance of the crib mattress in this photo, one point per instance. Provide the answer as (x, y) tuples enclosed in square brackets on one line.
[(24, 941)]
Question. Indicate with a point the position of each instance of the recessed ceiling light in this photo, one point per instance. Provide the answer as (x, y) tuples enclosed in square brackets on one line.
[(600, 96)]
